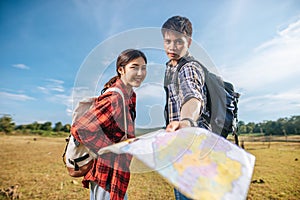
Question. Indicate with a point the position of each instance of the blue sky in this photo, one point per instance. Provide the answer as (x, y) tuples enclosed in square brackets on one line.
[(47, 45)]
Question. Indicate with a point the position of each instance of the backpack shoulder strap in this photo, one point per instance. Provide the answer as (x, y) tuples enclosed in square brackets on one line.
[(115, 89), (191, 59), (185, 61)]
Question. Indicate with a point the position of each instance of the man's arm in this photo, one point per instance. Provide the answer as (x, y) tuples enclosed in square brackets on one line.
[(189, 114)]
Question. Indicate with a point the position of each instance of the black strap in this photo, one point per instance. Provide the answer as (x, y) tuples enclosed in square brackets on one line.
[(236, 138), (77, 160), (181, 63), (192, 123), (64, 154)]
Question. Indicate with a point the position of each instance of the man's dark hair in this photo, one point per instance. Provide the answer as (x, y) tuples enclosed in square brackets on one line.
[(178, 24)]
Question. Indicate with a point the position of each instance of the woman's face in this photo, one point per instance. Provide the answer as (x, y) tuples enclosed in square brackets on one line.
[(134, 73)]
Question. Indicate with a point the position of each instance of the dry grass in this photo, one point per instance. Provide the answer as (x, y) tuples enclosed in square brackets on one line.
[(279, 168), (37, 167)]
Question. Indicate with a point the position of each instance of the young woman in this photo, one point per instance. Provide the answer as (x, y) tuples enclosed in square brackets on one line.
[(104, 125)]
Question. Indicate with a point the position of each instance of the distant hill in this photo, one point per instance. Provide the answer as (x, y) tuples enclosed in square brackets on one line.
[(142, 131)]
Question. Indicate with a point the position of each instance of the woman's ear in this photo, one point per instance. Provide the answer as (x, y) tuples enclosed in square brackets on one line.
[(121, 70)]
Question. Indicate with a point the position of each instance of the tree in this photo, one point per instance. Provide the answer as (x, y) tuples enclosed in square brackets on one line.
[(6, 124), (242, 127), (20, 127), (66, 128), (46, 126), (296, 123), (58, 127), (257, 128), (250, 127), (36, 126), (273, 128)]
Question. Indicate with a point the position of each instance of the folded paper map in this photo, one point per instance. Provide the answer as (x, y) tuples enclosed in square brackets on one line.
[(201, 164)]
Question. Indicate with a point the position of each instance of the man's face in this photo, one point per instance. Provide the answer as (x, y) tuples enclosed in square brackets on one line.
[(176, 45)]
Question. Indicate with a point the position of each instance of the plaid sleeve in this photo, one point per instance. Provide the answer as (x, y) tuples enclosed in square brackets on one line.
[(99, 126), (191, 82)]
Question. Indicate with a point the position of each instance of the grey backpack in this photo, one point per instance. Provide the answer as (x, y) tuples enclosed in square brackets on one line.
[(77, 158)]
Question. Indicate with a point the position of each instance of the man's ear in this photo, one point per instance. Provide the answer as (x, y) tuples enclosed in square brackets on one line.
[(189, 42)]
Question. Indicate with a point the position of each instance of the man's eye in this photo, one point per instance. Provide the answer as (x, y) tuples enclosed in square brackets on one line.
[(179, 42)]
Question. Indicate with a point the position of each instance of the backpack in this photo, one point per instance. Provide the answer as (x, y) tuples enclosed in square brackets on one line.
[(222, 103), (77, 158)]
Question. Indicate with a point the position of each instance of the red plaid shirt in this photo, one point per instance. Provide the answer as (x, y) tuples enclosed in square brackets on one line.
[(104, 125)]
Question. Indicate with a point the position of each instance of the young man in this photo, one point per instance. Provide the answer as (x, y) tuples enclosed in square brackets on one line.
[(184, 84)]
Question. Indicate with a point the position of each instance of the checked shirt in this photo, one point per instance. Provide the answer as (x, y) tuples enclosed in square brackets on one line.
[(181, 86), (101, 126)]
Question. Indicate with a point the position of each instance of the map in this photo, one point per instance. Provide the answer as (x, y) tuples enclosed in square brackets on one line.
[(201, 164)]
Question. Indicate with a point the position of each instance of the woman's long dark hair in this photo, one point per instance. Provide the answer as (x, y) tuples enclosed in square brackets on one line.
[(123, 59)]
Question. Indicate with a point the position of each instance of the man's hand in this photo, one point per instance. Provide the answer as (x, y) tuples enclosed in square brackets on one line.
[(175, 125), (190, 110)]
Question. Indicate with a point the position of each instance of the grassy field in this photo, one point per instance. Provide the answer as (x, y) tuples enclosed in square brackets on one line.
[(35, 165)]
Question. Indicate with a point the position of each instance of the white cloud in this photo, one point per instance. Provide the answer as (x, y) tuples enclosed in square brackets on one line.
[(274, 61), (150, 91), (269, 77), (53, 85), (292, 31), (15, 97), (62, 99), (154, 115), (270, 106), (55, 81), (21, 66), (285, 36), (55, 93), (288, 97), (58, 89), (42, 89)]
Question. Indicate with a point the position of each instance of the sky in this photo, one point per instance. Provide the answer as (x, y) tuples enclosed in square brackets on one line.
[(55, 52)]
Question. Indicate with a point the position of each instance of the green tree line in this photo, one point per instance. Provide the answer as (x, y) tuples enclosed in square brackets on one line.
[(8, 126), (282, 126)]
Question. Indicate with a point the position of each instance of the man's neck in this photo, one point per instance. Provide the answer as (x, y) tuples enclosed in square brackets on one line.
[(173, 63)]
